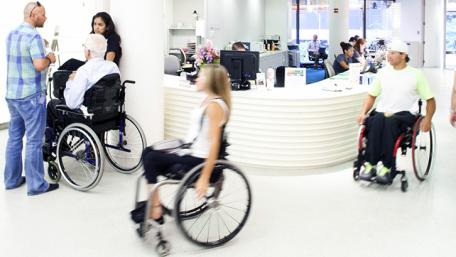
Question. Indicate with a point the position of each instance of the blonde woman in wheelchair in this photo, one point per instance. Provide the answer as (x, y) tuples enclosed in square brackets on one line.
[(205, 136)]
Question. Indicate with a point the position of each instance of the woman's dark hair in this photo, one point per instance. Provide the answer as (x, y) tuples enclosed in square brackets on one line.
[(345, 46), (407, 59), (358, 44), (110, 27), (238, 46)]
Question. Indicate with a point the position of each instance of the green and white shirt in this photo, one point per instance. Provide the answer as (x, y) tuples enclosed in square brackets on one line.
[(399, 90)]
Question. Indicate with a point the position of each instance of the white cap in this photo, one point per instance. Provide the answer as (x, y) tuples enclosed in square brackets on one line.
[(399, 46), (97, 44)]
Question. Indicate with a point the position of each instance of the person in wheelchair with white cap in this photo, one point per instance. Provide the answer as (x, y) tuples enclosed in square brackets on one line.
[(399, 87), (85, 77)]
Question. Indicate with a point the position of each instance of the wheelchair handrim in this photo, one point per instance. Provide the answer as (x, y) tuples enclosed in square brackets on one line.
[(417, 168), (191, 176), (118, 166), (99, 160)]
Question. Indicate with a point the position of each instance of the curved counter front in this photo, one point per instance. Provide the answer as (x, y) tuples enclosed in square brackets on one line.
[(292, 129)]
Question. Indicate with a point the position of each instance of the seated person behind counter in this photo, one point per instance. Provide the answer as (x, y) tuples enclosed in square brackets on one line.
[(238, 46), (343, 60), (85, 77)]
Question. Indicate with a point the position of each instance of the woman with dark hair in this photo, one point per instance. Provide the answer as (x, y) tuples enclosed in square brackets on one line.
[(102, 24), (238, 46), (342, 61), (358, 55)]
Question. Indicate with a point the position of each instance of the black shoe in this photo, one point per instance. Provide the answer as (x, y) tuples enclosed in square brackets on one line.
[(52, 187), (160, 220)]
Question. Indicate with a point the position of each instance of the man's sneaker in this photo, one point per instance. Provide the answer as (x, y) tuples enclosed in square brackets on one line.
[(368, 172), (384, 176)]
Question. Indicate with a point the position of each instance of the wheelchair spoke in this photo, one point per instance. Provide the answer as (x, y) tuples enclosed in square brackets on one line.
[(235, 220), (204, 226), (87, 170), (218, 226), (226, 226), (230, 207), (199, 215)]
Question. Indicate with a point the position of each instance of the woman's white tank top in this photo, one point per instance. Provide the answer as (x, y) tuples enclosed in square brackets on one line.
[(199, 129)]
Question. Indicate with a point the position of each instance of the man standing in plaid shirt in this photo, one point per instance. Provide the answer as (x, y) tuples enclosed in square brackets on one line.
[(26, 98)]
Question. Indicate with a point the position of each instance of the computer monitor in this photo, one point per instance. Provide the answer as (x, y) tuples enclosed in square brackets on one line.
[(242, 66)]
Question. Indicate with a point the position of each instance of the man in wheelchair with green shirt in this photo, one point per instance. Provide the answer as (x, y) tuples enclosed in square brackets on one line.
[(399, 88)]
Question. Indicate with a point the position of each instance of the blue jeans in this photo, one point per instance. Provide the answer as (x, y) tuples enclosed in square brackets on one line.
[(28, 116)]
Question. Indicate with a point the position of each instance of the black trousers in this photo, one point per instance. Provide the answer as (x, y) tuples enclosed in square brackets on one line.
[(159, 163), (53, 116), (382, 133)]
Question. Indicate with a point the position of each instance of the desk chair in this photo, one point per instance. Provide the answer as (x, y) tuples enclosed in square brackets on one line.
[(329, 69), (172, 65)]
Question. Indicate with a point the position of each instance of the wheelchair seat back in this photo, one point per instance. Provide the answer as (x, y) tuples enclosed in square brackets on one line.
[(105, 96), (59, 79)]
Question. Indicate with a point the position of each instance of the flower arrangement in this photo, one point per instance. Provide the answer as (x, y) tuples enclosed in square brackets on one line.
[(207, 54)]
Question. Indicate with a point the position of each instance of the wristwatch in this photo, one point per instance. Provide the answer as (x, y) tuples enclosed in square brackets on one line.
[(49, 59)]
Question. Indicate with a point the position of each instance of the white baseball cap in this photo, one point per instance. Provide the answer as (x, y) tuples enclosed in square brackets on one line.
[(399, 46)]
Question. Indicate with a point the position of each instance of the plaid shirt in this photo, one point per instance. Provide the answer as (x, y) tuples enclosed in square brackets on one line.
[(24, 44)]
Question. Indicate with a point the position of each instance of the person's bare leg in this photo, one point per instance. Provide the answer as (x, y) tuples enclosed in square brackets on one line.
[(155, 208)]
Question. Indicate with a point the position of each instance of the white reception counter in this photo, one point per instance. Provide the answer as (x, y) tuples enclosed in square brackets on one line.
[(284, 129)]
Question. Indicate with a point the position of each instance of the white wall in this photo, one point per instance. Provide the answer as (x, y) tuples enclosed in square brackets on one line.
[(411, 20), (277, 19), (434, 33), (183, 11), (338, 26), (141, 27), (235, 20)]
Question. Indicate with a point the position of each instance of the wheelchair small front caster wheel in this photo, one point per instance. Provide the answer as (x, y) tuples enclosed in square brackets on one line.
[(404, 185), (163, 248), (53, 172), (356, 174)]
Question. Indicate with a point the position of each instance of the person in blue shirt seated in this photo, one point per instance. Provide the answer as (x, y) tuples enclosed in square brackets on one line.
[(343, 60), (85, 77)]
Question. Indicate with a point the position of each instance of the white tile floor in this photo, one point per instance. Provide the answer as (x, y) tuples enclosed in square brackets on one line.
[(321, 215)]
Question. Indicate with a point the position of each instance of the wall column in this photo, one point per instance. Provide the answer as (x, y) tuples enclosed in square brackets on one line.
[(338, 26), (140, 24)]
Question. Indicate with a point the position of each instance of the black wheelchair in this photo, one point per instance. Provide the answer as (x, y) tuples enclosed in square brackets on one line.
[(422, 146), (78, 142), (209, 222)]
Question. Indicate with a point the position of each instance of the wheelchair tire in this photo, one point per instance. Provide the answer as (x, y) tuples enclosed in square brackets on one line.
[(80, 157), (117, 144), (225, 208), (423, 150)]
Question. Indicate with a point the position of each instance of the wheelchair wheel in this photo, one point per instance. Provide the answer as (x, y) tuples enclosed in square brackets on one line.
[(80, 157), (53, 172), (358, 164), (423, 151), (218, 217), (124, 146)]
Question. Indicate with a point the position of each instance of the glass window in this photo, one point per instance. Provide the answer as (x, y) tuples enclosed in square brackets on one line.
[(450, 40)]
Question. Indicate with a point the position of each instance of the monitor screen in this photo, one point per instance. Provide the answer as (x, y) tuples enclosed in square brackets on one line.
[(241, 65)]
